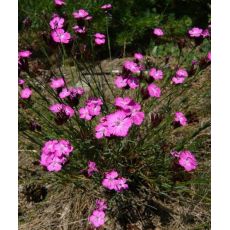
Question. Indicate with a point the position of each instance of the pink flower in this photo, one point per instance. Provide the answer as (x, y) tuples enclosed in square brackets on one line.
[(123, 103), (109, 181), (62, 109), (187, 160), (24, 54), (205, 33), (55, 108), (175, 154), (84, 114), (59, 2), (94, 110), (137, 117), (178, 80), (57, 23), (92, 167), (138, 56), (154, 91), (80, 14), (21, 81), (88, 18), (181, 74), (121, 184), (80, 29), (120, 82), (158, 32), (102, 130), (133, 82), (68, 111), (64, 93), (57, 83), (97, 219), (195, 32), (54, 154), (76, 92), (26, 93), (209, 56), (60, 36), (113, 182), (94, 101), (63, 147), (180, 117), (131, 66), (119, 123), (156, 74), (99, 39), (101, 205), (106, 7)]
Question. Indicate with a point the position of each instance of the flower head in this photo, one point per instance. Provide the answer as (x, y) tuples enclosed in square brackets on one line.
[(60, 36), (131, 66), (92, 167), (54, 154), (158, 32), (97, 219), (138, 56), (209, 56), (101, 204), (99, 39), (156, 74), (85, 114), (119, 123), (187, 160), (154, 91), (57, 83), (106, 7), (59, 2), (120, 82), (79, 29), (80, 14), (195, 32), (26, 93), (24, 54), (21, 81), (180, 118), (56, 22)]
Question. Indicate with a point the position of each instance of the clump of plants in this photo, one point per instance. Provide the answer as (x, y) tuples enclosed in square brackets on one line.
[(114, 130)]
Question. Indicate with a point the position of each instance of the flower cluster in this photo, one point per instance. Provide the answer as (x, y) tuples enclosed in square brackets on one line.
[(72, 94), (118, 123), (92, 109), (127, 80), (181, 75), (185, 159), (196, 32), (54, 154), (97, 218), (180, 118), (58, 34), (99, 39), (63, 112), (112, 181)]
